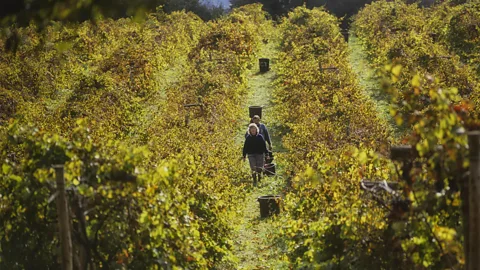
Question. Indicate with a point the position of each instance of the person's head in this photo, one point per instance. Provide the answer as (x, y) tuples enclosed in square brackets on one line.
[(256, 119), (252, 129)]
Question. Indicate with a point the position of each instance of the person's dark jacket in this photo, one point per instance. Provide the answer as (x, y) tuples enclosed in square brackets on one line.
[(264, 132), (254, 145)]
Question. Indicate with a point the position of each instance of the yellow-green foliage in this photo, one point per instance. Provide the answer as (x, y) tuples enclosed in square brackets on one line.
[(322, 107), (401, 33), (67, 71), (168, 198), (433, 225), (153, 184), (333, 132), (330, 222), (458, 27)]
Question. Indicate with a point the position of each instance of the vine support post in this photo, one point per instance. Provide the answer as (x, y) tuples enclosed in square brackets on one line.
[(63, 219), (405, 154), (472, 240)]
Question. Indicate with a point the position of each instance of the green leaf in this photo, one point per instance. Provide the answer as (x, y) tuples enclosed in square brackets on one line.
[(396, 70), (362, 157), (16, 178), (6, 169), (416, 81)]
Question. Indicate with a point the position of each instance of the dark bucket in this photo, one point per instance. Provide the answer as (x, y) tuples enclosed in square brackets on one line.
[(269, 169), (264, 64), (255, 110), (269, 205)]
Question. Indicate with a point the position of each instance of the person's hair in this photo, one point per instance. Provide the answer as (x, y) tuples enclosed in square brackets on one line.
[(253, 125), (256, 117)]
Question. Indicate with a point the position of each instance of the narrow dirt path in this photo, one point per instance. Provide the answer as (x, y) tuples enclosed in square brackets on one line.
[(254, 244)]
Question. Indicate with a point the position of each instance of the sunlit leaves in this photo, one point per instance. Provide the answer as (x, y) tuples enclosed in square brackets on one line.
[(346, 226), (401, 33), (331, 125), (151, 191)]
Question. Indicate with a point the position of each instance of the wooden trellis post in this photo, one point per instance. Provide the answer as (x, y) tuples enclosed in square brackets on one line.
[(63, 220), (472, 240), (405, 154)]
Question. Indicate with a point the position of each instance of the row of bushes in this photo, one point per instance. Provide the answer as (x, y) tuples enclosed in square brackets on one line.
[(457, 27), (149, 181), (70, 71), (334, 131), (401, 34), (330, 222), (430, 91)]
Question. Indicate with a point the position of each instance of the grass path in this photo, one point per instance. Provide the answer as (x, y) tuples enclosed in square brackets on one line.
[(166, 78), (254, 246), (370, 81)]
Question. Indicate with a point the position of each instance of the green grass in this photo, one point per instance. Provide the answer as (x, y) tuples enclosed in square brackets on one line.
[(255, 247), (166, 79), (370, 82)]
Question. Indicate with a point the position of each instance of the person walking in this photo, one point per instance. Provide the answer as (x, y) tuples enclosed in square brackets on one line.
[(255, 147), (263, 130)]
